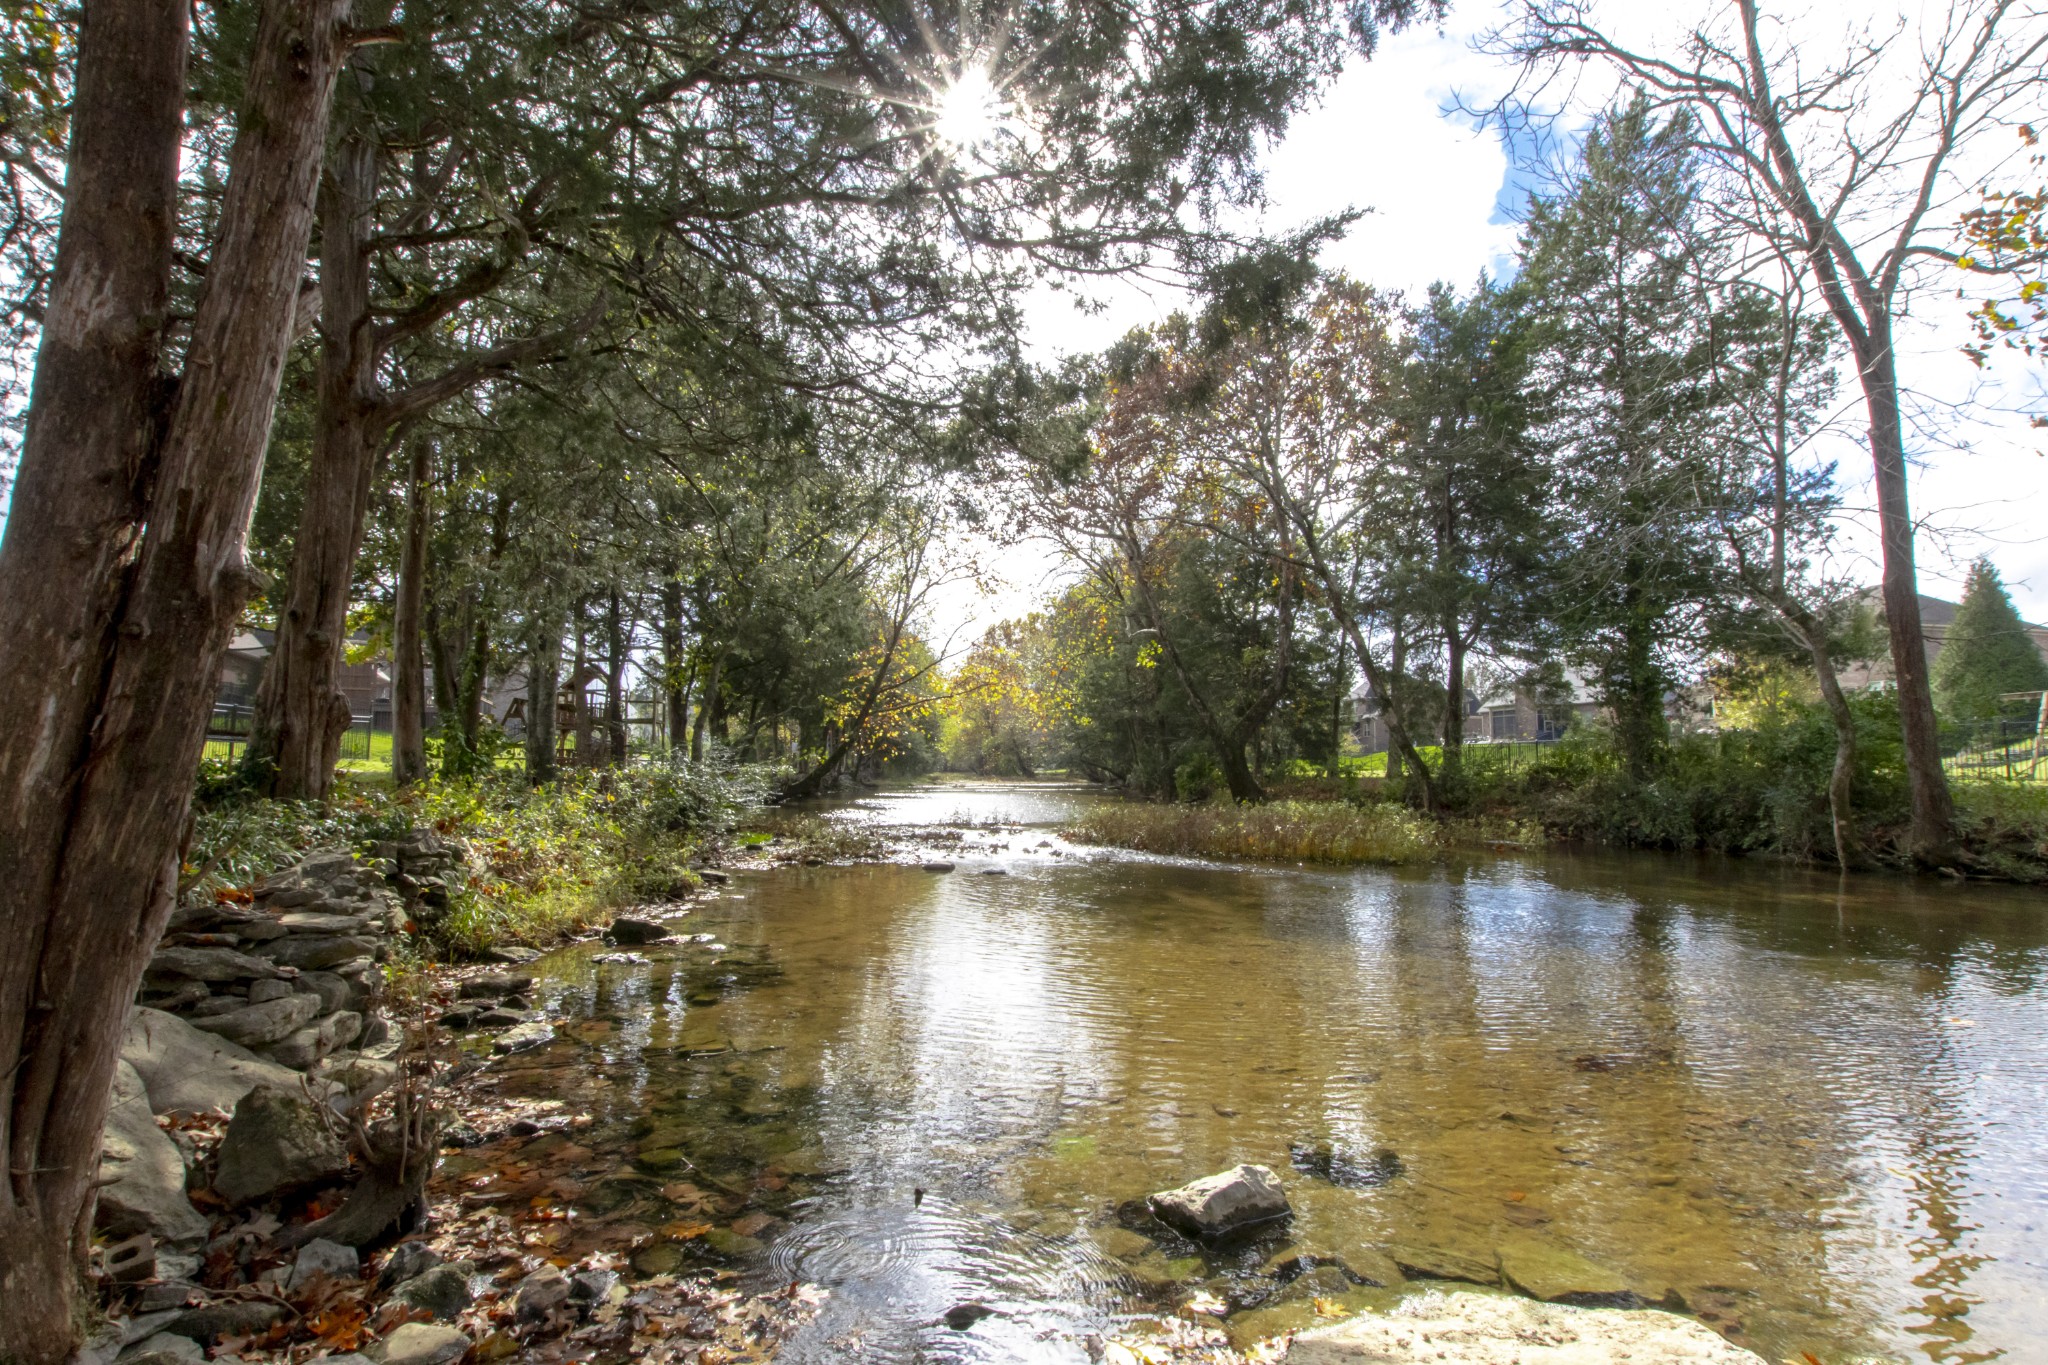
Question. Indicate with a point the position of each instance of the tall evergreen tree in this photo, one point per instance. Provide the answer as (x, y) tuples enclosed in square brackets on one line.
[(1988, 653), (1623, 363)]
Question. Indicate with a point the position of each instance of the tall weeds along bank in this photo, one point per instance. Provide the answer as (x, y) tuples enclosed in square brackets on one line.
[(1282, 831)]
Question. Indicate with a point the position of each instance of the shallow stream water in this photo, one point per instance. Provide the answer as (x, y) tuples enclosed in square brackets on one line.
[(1813, 1112)]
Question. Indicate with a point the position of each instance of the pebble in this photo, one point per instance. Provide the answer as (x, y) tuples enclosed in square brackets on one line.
[(424, 1343)]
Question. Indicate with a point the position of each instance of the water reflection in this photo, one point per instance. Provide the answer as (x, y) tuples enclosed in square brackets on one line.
[(1811, 1114)]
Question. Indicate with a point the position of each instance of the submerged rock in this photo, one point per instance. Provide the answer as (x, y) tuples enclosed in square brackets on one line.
[(1223, 1202), (1492, 1329), (524, 1036), (1559, 1276), (1433, 1263)]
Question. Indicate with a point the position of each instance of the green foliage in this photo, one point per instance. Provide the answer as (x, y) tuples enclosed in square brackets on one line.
[(1281, 831), (553, 858), (1987, 655), (1198, 779), (1761, 789)]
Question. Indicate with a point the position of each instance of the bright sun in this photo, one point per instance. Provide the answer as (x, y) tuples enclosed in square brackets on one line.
[(970, 110)]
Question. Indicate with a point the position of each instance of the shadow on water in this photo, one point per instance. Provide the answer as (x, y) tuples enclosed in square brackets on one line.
[(1809, 1110)]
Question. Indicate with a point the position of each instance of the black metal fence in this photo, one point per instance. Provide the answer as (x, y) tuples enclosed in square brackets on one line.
[(2008, 750)]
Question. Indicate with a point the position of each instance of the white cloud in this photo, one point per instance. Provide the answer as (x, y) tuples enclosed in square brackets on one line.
[(1380, 140)]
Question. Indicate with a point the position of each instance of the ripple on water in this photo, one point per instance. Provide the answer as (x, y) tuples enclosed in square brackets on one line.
[(1799, 1107)]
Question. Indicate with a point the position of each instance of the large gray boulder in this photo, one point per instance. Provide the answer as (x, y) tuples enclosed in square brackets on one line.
[(258, 1025), (1469, 1328), (143, 1170), (1224, 1202), (187, 1071), (277, 1141)]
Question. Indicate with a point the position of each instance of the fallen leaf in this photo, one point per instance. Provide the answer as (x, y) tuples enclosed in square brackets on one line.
[(1516, 1196), (1330, 1308)]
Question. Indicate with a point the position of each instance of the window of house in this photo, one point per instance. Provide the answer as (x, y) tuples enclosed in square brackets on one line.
[(1504, 726)]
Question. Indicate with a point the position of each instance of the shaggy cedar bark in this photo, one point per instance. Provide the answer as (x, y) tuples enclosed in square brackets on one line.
[(409, 686), (95, 807), (77, 510), (543, 671), (301, 711)]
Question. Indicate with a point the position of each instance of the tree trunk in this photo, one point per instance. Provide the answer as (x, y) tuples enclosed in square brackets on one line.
[(79, 501), (301, 711), (615, 678), (1933, 832), (1397, 663), (409, 699), (1454, 697), (543, 670), (1841, 780), (107, 727), (675, 694)]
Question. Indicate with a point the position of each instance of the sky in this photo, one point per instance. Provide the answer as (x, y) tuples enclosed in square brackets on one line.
[(1438, 197)]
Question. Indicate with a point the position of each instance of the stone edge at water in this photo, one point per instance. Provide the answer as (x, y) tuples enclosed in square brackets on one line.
[(1465, 1328)]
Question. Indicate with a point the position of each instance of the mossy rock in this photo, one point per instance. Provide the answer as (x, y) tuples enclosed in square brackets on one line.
[(1557, 1275), (659, 1158), (663, 1258), (1436, 1263), (731, 1245), (1121, 1242)]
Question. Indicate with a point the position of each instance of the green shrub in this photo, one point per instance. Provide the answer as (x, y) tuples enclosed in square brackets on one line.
[(552, 858)]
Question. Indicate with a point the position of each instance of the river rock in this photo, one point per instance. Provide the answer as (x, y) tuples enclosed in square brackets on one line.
[(321, 950), (1433, 1263), (523, 1037), (276, 1141), (592, 1286), (210, 964), (509, 956), (1556, 1275), (142, 1170), (336, 992), (495, 985), (314, 922), (1222, 1202), (322, 1257), (1492, 1329), (500, 1017), (233, 1318), (630, 931), (421, 1343), (406, 1261), (187, 1071), (309, 1045), (262, 991), (162, 1348), (442, 1290), (540, 1294), (259, 1025)]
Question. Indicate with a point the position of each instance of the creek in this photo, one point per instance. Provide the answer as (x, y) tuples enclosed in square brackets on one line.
[(1813, 1110)]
